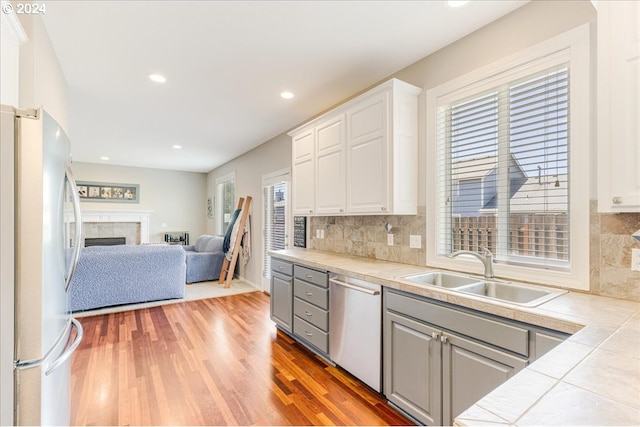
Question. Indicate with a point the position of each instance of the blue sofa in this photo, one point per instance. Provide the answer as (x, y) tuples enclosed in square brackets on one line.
[(114, 275), (204, 259)]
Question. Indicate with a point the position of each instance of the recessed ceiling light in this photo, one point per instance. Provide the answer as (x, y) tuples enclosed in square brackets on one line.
[(457, 3), (105, 158), (177, 147), (287, 94), (158, 78)]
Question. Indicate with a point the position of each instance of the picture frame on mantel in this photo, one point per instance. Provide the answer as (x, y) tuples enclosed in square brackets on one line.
[(109, 192)]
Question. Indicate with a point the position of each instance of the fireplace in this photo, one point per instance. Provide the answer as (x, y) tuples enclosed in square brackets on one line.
[(104, 241), (133, 225)]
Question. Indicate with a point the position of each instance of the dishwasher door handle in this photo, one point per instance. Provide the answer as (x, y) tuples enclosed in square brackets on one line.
[(354, 287)]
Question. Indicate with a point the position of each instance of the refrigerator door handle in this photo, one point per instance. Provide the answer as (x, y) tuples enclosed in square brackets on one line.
[(78, 218), (69, 351)]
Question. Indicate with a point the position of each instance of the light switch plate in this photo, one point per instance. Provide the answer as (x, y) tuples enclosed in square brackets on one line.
[(415, 241), (390, 239)]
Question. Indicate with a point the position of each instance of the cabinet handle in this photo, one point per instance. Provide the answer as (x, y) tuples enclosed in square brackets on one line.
[(310, 211), (309, 294), (307, 333), (616, 200), (308, 314), (341, 210), (309, 276), (434, 335), (280, 267), (443, 339), (382, 208)]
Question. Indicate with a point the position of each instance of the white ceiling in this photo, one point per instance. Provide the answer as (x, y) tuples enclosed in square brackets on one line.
[(226, 63)]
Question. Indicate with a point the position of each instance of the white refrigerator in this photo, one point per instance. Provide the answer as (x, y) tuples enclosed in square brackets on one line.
[(40, 199)]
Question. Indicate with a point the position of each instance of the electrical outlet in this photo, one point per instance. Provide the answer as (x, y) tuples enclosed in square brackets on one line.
[(317, 233), (415, 241), (390, 239), (635, 259), (322, 233)]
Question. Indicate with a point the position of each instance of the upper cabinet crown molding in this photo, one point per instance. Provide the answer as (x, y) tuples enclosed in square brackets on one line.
[(619, 106), (364, 159)]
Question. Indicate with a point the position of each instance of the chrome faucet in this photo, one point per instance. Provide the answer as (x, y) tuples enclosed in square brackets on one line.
[(486, 257)]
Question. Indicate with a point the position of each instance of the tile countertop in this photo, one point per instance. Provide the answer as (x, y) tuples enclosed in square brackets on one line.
[(593, 378)]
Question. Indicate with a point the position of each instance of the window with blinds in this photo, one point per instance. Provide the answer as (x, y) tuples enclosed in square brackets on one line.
[(275, 221), (503, 172)]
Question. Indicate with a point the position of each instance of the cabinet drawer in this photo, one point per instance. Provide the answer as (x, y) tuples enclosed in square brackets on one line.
[(503, 335), (311, 334), (320, 278), (311, 293), (282, 267), (312, 314)]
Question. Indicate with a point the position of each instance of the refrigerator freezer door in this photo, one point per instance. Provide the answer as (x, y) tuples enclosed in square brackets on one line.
[(6, 263), (42, 317)]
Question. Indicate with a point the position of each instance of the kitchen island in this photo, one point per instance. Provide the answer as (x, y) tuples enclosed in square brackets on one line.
[(592, 378)]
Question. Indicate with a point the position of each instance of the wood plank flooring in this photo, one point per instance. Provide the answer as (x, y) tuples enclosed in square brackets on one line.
[(219, 361)]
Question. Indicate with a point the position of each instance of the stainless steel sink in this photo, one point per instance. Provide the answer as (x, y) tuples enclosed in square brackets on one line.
[(527, 296), (441, 279), (512, 293)]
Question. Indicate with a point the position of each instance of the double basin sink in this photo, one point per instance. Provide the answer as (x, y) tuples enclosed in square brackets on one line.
[(511, 293)]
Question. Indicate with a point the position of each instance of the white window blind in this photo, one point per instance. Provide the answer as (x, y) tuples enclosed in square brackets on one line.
[(503, 170), (275, 217)]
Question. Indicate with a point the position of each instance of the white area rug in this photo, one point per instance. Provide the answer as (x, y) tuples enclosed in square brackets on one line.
[(195, 291)]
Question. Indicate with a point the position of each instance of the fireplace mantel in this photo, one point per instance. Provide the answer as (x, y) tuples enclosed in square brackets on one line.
[(142, 217)]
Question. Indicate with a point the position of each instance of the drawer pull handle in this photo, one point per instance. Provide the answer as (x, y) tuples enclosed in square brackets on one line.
[(308, 314), (309, 276), (280, 267), (309, 294), (307, 333)]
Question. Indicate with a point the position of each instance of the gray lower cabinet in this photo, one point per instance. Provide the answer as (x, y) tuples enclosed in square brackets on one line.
[(412, 367), (470, 371), (311, 308), (282, 294), (435, 366)]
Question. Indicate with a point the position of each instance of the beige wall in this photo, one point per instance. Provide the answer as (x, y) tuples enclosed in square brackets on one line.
[(531, 24), (177, 199), (42, 83), (249, 168)]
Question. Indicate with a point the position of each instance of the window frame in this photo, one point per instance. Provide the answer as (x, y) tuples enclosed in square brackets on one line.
[(572, 48), (219, 201), (268, 180)]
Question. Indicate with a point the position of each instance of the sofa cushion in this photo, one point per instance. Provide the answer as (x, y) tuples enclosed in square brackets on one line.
[(201, 243), (214, 244)]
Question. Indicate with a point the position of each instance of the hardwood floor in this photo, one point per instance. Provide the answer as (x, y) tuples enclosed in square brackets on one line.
[(211, 362)]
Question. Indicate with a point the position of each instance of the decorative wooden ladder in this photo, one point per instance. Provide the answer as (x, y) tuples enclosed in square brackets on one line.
[(228, 267)]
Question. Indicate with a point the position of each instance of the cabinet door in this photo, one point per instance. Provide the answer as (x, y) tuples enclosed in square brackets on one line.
[(412, 368), (330, 166), (303, 173), (546, 342), (471, 370), (619, 106), (281, 300), (368, 155)]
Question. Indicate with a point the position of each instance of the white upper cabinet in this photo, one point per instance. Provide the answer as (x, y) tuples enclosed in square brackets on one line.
[(618, 106), (303, 172), (365, 156), (330, 162)]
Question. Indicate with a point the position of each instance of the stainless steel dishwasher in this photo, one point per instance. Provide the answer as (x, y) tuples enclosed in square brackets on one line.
[(355, 310)]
